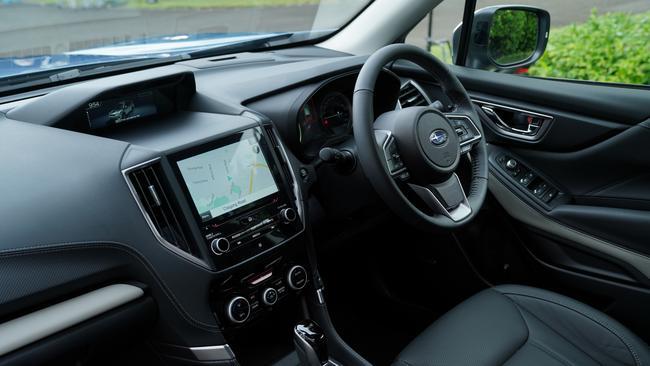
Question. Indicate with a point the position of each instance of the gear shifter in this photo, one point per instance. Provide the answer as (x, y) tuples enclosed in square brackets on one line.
[(310, 343)]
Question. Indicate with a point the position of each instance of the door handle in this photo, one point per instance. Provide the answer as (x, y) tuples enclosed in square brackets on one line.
[(516, 122)]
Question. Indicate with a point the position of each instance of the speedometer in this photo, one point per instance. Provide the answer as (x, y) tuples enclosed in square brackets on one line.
[(335, 113)]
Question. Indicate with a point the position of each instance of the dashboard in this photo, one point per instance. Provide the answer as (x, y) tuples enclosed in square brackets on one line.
[(187, 181), (325, 119)]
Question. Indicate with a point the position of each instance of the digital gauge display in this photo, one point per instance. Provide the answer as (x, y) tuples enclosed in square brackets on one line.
[(108, 112)]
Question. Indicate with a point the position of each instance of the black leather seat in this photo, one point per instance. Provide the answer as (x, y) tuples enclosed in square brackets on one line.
[(517, 325)]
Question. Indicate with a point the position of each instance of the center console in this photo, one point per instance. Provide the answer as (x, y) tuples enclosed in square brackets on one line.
[(241, 193)]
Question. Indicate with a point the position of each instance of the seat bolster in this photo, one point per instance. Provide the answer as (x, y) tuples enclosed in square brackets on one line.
[(519, 325), (486, 329), (595, 334)]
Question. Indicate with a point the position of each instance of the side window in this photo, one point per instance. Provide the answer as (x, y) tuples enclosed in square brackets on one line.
[(592, 40)]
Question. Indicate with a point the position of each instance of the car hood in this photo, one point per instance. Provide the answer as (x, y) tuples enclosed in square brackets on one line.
[(163, 46)]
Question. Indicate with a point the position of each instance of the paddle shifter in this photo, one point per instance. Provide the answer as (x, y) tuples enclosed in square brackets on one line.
[(310, 343)]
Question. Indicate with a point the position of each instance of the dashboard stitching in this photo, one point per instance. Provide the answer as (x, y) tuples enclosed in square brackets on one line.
[(61, 247)]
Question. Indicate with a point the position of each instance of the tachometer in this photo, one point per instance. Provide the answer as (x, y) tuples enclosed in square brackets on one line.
[(336, 113)]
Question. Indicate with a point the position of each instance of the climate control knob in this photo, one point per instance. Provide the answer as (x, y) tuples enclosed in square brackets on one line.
[(238, 309), (269, 296), (288, 214), (220, 246), (297, 277)]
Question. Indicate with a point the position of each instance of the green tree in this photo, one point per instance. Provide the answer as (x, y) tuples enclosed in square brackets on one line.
[(613, 47), (513, 36)]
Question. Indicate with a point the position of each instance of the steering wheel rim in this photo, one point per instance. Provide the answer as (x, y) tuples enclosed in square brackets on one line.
[(408, 128)]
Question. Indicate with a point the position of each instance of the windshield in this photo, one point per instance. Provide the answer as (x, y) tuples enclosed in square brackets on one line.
[(48, 36)]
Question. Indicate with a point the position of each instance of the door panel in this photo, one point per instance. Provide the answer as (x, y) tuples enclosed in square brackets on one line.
[(593, 235)]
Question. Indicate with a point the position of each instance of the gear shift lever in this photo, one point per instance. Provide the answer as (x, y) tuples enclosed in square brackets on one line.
[(310, 343)]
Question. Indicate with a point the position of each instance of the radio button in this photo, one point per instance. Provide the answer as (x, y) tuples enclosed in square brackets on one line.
[(297, 277), (238, 310), (288, 214), (220, 246), (269, 296)]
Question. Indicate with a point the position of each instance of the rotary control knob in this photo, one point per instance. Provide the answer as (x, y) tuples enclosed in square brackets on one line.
[(297, 277), (238, 309), (288, 214), (220, 246), (269, 296), (511, 164)]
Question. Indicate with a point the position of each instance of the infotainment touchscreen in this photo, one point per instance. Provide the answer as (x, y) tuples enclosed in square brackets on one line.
[(229, 177)]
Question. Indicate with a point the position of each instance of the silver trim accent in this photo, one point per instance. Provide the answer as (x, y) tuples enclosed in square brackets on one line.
[(229, 310), (290, 283), (296, 185), (216, 249), (213, 353), (154, 230), (320, 293), (40, 324), (154, 195), (534, 114), (384, 147), (264, 296), (457, 214), (285, 214), (507, 129), (417, 87), (523, 212), (472, 140)]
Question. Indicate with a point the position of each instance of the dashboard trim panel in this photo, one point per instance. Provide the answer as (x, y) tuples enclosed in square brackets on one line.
[(32, 327), (147, 218)]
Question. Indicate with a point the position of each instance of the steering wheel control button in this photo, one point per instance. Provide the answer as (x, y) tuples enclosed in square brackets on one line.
[(297, 277), (392, 156), (238, 310), (220, 246), (288, 215), (269, 296)]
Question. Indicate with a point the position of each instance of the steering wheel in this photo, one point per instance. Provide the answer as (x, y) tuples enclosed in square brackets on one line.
[(410, 155)]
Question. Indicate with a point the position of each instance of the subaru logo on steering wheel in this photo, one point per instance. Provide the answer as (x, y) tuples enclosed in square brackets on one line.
[(438, 137)]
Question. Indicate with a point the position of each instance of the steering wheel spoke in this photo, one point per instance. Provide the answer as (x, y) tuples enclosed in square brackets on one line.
[(447, 198), (390, 153), (468, 133), (401, 151)]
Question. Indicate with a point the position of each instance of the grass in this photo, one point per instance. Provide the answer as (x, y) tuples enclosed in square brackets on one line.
[(183, 4)]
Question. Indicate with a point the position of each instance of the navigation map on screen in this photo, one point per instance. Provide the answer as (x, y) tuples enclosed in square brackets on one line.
[(227, 178)]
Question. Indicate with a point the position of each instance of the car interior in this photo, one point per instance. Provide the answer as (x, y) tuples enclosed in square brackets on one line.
[(344, 200)]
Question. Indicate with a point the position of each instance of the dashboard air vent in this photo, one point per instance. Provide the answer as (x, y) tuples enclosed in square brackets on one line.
[(159, 209), (410, 96)]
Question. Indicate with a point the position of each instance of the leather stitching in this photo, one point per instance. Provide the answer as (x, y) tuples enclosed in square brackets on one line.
[(564, 338), (68, 246), (637, 360), (550, 352), (523, 320)]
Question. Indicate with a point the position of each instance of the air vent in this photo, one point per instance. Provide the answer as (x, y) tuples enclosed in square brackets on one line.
[(158, 207), (410, 96)]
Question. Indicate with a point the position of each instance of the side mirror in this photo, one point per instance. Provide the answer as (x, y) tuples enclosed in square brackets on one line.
[(505, 38)]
